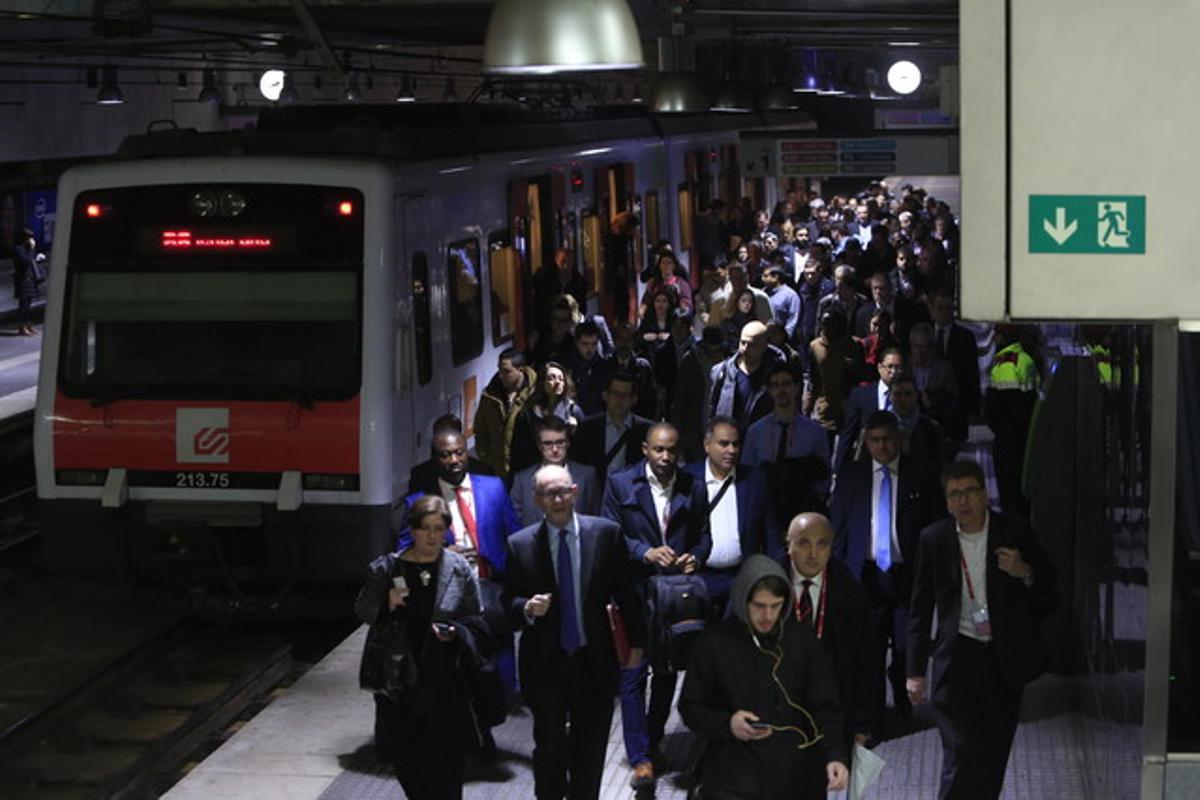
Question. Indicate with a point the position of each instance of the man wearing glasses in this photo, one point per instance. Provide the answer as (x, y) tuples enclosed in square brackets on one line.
[(554, 443), (863, 401), (989, 582), (563, 572)]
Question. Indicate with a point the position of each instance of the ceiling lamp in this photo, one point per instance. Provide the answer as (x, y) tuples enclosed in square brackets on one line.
[(904, 77), (540, 37), (636, 95), (678, 93), (289, 95), (208, 88), (732, 98), (110, 93), (352, 93), (406, 93), (777, 98)]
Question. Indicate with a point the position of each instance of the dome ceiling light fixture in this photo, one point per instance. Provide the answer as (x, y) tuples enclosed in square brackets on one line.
[(208, 88), (110, 93), (904, 77), (678, 93), (543, 37), (732, 98)]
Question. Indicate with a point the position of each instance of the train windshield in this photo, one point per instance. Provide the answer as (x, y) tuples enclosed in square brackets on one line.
[(248, 308)]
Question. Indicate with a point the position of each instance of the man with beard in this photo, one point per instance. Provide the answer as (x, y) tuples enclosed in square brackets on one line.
[(761, 694)]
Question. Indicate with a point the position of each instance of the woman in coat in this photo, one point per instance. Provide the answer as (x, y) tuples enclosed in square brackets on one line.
[(422, 654)]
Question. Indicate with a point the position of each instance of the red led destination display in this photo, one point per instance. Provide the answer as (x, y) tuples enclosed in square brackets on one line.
[(181, 239)]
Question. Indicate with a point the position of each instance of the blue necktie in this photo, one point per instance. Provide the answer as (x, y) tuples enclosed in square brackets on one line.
[(569, 626), (883, 522)]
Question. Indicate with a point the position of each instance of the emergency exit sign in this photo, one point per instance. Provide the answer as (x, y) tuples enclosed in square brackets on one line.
[(1084, 223)]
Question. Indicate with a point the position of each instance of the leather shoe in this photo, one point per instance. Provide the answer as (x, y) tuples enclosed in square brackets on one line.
[(643, 775)]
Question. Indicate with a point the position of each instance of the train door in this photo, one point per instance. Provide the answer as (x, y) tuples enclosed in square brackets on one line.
[(623, 252), (538, 217), (415, 388)]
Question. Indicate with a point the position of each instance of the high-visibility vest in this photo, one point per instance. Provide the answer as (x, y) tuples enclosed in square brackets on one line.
[(1012, 368), (1104, 364)]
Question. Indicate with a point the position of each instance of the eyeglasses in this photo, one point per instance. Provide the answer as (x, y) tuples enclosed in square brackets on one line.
[(557, 493), (962, 494)]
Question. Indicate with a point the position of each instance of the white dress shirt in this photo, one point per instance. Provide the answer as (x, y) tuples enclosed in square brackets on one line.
[(814, 591), (881, 400), (661, 495), (876, 483), (723, 521), (456, 520), (974, 550)]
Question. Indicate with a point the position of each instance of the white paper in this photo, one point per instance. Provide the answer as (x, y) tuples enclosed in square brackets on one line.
[(865, 770)]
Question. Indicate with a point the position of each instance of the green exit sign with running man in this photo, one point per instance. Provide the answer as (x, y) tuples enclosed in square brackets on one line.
[(1086, 223)]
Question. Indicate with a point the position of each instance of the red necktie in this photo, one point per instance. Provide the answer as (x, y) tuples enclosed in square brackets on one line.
[(804, 606), (464, 509)]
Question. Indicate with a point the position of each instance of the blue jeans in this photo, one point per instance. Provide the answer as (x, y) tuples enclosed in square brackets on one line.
[(644, 730)]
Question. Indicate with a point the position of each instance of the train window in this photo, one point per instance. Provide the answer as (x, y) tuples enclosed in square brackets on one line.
[(422, 323), (466, 300), (504, 265), (593, 260)]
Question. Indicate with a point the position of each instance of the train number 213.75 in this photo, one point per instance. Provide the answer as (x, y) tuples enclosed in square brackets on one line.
[(202, 480)]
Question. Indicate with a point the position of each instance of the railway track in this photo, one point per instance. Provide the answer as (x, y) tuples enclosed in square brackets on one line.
[(126, 731)]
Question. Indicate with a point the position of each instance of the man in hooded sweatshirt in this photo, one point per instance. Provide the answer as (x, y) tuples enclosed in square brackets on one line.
[(761, 693)]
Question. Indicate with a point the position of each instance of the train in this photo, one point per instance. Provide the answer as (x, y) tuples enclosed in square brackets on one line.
[(248, 334)]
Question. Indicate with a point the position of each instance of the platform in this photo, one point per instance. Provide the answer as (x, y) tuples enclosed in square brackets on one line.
[(19, 355), (314, 743)]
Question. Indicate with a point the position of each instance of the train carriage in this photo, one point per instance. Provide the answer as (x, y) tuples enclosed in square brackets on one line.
[(247, 338)]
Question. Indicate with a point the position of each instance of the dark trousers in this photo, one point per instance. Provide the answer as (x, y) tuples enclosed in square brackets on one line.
[(977, 718), (427, 768), (569, 692), (719, 582), (888, 594)]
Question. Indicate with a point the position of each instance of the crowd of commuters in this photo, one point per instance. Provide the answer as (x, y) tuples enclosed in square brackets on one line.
[(784, 431)]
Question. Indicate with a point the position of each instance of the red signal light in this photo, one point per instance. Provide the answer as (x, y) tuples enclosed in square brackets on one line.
[(345, 208), (93, 210)]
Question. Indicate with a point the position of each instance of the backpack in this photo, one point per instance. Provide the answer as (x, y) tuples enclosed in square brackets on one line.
[(679, 608)]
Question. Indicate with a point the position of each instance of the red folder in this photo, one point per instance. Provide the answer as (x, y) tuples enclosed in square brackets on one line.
[(620, 633)]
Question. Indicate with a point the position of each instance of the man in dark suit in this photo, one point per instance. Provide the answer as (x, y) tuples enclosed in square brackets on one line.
[(989, 582), (663, 513), (863, 401), (682, 369), (920, 437), (878, 507), (612, 441), (563, 572), (957, 345), (554, 443), (740, 520), (838, 613)]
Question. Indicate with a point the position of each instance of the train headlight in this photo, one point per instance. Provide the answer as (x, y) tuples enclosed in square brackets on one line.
[(81, 477), (203, 204), (331, 483), (232, 204)]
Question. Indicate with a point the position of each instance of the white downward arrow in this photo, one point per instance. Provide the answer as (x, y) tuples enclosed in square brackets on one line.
[(1060, 231)]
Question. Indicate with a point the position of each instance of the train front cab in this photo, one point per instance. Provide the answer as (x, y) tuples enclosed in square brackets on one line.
[(214, 391)]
